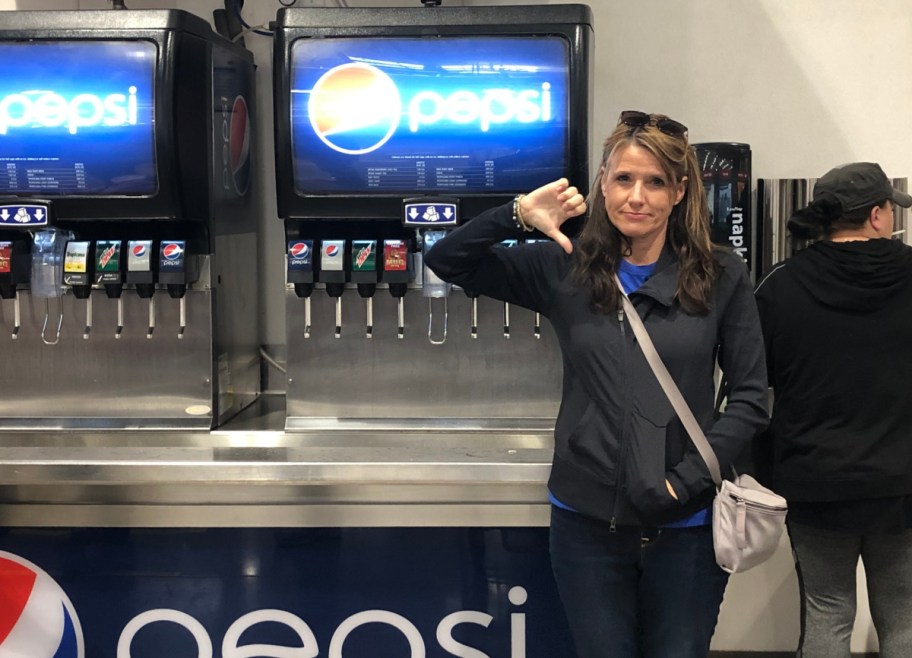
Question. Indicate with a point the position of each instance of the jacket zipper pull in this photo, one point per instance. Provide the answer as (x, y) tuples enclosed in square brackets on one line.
[(612, 525), (621, 315)]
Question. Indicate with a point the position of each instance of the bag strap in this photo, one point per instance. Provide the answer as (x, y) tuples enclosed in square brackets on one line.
[(671, 389)]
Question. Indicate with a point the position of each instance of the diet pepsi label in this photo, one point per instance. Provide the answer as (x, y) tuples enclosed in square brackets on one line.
[(332, 256), (139, 256)]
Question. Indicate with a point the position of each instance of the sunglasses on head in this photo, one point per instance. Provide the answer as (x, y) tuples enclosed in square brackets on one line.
[(636, 119)]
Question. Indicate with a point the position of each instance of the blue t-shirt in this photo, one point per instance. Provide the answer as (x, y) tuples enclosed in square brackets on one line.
[(632, 277)]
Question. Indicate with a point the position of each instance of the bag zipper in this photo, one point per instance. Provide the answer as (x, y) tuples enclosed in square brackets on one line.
[(760, 507)]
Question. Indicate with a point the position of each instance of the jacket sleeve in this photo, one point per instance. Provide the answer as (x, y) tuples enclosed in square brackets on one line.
[(742, 360), (473, 258)]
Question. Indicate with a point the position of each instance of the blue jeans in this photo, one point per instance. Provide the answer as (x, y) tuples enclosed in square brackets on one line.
[(633, 592)]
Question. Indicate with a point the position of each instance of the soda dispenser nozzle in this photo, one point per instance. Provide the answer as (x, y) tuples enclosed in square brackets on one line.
[(506, 308), (433, 287), (48, 247), (536, 320), (141, 274), (364, 274), (176, 270), (396, 276), (472, 295), (332, 274), (79, 275), (301, 274)]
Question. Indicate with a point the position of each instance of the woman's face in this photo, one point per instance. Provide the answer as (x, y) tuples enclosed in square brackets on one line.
[(639, 197)]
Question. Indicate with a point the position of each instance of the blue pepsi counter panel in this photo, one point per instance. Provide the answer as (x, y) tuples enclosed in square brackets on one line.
[(163, 539)]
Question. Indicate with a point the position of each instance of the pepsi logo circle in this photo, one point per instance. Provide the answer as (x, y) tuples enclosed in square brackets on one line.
[(37, 618), (354, 108), (172, 251), (299, 250), (331, 250), (239, 145), (139, 250)]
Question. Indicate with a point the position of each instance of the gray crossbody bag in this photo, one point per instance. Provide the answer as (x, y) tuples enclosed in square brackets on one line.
[(748, 518)]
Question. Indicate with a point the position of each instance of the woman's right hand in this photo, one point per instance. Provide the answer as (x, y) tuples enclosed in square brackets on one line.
[(549, 206)]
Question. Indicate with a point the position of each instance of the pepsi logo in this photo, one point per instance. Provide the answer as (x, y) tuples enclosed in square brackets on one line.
[(139, 250), (331, 250), (37, 618), (239, 145), (172, 251), (299, 250), (354, 108)]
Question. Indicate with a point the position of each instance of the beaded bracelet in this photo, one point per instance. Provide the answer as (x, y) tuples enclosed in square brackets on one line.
[(517, 215)]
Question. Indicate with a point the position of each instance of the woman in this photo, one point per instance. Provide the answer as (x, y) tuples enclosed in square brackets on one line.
[(631, 544), (837, 322)]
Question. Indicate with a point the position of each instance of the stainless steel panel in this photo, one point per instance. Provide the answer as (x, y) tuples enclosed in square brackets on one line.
[(235, 336), (102, 381), (275, 516), (464, 383), (252, 474)]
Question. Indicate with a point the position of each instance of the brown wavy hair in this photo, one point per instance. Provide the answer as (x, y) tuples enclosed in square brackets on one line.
[(601, 246)]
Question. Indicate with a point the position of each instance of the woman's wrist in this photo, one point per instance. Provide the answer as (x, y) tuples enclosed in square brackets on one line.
[(518, 214)]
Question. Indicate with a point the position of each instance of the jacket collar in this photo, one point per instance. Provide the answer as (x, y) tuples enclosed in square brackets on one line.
[(663, 284)]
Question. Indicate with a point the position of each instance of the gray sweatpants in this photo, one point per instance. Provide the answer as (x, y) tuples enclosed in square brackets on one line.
[(826, 563)]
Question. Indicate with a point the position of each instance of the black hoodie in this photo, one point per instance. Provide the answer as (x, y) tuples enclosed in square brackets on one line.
[(837, 326)]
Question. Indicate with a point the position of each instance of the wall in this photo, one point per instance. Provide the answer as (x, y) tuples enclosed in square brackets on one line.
[(807, 84)]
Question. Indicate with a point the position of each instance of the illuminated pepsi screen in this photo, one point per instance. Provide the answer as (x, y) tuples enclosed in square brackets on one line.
[(77, 118), (445, 114)]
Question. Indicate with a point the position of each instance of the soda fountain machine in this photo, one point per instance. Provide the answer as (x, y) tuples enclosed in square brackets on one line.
[(393, 126), (127, 228)]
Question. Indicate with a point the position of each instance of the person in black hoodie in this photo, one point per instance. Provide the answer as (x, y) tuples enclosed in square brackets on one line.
[(837, 326), (631, 541)]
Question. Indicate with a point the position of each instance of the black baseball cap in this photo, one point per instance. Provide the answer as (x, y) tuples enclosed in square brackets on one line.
[(859, 185)]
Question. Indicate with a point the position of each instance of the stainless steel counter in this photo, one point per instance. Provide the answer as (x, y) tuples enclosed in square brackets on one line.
[(252, 473)]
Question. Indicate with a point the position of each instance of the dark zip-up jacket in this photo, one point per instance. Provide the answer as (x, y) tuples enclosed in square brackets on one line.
[(617, 437), (837, 321)]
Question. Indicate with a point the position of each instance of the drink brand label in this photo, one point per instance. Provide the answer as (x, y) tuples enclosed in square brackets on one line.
[(395, 256), (355, 108), (107, 255), (300, 255), (6, 257), (76, 264), (139, 256), (364, 256), (332, 256), (47, 109), (76, 259), (172, 255)]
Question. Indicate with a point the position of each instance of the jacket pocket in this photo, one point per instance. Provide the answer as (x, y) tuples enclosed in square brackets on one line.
[(644, 471), (592, 445)]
